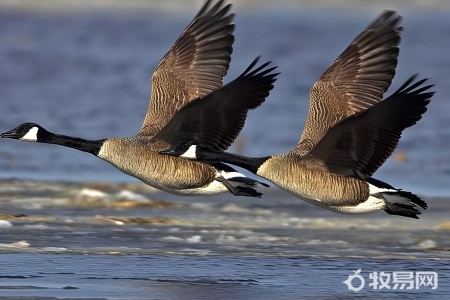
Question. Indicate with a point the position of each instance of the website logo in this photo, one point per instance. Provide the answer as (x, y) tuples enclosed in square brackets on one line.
[(399, 280)]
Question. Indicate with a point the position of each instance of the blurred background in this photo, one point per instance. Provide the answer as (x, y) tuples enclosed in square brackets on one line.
[(83, 68)]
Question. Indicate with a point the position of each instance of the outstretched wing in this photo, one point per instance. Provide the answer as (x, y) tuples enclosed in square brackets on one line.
[(356, 80), (193, 67), (215, 120), (360, 144)]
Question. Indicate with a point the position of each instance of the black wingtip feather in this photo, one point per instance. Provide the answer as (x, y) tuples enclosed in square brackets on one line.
[(413, 92), (411, 88), (215, 10), (252, 64), (250, 72), (387, 17)]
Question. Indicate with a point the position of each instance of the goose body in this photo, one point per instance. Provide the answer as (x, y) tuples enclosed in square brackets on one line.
[(139, 158), (187, 98), (349, 131)]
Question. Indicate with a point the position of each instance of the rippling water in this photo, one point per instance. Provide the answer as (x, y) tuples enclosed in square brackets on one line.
[(126, 241), (71, 226)]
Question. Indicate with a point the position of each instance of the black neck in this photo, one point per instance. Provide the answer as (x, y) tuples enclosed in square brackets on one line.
[(249, 163), (89, 146)]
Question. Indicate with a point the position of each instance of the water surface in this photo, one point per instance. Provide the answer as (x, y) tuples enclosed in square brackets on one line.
[(73, 227)]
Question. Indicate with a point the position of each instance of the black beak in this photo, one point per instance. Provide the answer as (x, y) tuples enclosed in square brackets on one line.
[(12, 134)]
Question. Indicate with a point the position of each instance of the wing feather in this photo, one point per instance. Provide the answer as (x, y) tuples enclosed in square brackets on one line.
[(193, 67), (215, 120), (360, 144), (356, 80)]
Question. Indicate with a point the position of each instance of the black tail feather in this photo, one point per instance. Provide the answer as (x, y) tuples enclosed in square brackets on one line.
[(248, 181), (413, 198), (401, 209), (407, 208)]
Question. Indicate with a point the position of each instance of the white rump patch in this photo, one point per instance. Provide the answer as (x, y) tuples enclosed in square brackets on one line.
[(373, 190), (389, 195), (190, 153), (31, 135), (228, 175), (372, 204), (375, 202)]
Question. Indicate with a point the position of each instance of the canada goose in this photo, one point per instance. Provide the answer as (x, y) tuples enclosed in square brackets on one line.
[(188, 84), (349, 131)]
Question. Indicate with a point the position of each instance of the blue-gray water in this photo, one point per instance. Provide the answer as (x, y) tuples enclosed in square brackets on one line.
[(72, 226)]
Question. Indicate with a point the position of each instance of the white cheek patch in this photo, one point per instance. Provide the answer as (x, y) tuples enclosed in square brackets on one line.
[(190, 153), (31, 135)]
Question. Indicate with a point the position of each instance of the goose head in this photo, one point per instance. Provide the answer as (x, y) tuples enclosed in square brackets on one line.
[(30, 132)]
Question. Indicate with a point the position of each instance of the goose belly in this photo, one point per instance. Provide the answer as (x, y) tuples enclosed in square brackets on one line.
[(214, 187), (345, 203), (168, 173), (323, 189), (194, 182)]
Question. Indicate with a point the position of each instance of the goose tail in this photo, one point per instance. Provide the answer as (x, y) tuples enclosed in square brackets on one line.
[(239, 184), (397, 201)]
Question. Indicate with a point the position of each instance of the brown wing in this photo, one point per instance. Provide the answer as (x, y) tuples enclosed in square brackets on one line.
[(193, 67), (356, 80), (216, 120), (359, 145)]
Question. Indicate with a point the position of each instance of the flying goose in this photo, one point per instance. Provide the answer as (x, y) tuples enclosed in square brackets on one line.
[(349, 131), (188, 84)]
